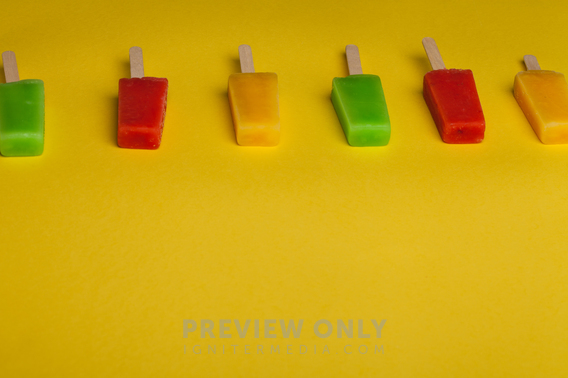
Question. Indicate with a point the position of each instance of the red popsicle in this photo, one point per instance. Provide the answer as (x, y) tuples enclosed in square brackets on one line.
[(141, 107), (452, 99)]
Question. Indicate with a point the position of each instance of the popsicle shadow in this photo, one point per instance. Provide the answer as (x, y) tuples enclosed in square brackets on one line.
[(2, 76), (236, 65), (422, 63), (113, 103), (228, 116), (422, 66), (334, 126), (125, 67), (224, 107), (113, 129), (523, 68)]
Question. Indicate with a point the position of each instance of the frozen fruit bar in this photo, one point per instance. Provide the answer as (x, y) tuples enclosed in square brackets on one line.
[(21, 113), (452, 98), (543, 97), (141, 107), (360, 105), (141, 112), (253, 98)]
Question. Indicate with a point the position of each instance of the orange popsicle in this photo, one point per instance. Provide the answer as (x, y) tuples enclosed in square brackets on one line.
[(543, 97), (253, 98)]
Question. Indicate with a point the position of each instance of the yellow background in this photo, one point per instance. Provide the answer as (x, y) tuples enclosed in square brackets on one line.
[(104, 251)]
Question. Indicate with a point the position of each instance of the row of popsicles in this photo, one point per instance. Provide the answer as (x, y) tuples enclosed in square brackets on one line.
[(358, 100)]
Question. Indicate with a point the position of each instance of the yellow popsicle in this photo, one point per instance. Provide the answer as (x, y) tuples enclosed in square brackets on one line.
[(543, 97), (253, 98), (254, 104)]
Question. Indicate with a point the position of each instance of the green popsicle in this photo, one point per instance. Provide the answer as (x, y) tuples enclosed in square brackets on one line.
[(21, 112), (360, 105)]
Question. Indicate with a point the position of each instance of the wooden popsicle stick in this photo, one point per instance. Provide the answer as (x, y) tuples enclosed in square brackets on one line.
[(10, 66), (433, 54), (531, 62), (353, 60), (245, 55), (136, 62)]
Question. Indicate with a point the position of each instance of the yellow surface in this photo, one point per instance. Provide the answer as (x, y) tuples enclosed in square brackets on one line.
[(543, 96), (254, 106), (104, 251)]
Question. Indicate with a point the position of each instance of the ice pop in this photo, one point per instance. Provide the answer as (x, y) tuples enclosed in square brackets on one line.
[(22, 113), (253, 97), (543, 97), (452, 99), (360, 104), (141, 107)]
